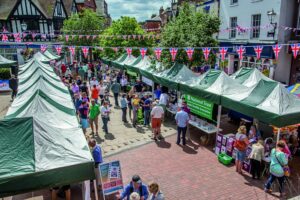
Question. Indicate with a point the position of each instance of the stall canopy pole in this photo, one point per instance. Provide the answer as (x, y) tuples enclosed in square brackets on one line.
[(278, 135), (219, 118)]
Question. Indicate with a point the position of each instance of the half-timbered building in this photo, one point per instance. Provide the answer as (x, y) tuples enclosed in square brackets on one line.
[(35, 16)]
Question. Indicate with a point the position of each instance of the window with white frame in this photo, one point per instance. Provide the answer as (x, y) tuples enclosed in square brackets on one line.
[(256, 22), (233, 24), (232, 2)]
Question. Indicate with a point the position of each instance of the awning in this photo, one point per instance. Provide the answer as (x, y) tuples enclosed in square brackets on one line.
[(4, 63)]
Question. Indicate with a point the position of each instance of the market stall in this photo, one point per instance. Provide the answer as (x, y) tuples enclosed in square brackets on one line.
[(41, 132), (51, 55), (4, 63)]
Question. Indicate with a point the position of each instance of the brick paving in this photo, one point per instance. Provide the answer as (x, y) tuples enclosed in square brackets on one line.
[(190, 172)]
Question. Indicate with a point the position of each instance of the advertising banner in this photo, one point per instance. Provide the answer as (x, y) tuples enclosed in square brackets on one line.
[(4, 85), (111, 177), (199, 106)]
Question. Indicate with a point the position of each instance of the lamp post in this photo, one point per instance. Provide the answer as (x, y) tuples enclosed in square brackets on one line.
[(271, 15)]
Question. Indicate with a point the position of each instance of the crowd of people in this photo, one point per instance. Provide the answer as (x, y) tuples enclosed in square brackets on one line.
[(275, 155)]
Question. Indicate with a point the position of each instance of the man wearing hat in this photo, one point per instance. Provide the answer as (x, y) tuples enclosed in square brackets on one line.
[(137, 186), (13, 85)]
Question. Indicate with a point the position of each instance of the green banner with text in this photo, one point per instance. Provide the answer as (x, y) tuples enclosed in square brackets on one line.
[(199, 106)]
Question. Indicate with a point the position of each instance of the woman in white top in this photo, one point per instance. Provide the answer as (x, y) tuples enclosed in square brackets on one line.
[(256, 156)]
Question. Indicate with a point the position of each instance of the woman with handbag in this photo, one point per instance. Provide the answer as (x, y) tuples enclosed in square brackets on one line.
[(240, 145), (278, 168), (256, 156)]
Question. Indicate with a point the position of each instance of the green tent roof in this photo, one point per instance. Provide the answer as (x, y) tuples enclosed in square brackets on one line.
[(51, 55), (106, 61), (42, 134), (249, 76), (122, 61), (5, 62)]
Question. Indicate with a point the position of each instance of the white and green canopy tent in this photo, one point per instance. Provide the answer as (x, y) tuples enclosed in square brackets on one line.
[(148, 70), (127, 61), (249, 77), (171, 78), (115, 63), (4, 62), (41, 57), (51, 55), (42, 135)]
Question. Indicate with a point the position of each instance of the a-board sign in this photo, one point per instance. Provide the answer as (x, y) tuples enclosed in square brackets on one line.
[(111, 177), (200, 106), (4, 85)]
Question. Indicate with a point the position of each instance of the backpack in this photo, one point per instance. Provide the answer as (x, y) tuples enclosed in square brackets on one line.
[(240, 144)]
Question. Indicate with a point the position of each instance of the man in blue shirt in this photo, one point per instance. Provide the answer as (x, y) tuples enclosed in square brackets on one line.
[(157, 92), (137, 186), (147, 110), (96, 152), (182, 120)]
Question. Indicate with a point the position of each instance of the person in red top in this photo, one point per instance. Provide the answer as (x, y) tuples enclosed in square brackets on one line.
[(95, 93), (63, 69)]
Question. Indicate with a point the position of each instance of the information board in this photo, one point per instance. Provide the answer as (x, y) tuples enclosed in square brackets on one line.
[(111, 177), (4, 85), (199, 106)]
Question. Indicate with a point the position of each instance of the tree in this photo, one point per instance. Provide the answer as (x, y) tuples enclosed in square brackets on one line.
[(84, 23), (124, 26), (190, 29)]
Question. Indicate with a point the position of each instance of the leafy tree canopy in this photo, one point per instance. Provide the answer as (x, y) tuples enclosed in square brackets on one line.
[(124, 26), (190, 29), (84, 23)]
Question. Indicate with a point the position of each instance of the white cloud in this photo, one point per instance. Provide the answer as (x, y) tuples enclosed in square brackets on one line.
[(140, 9)]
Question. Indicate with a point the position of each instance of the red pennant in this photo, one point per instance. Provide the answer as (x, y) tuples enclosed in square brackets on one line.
[(206, 52), (158, 52), (85, 51), (58, 49), (43, 48), (143, 52), (276, 49), (4, 38), (189, 52), (173, 52), (129, 51), (240, 50), (67, 38), (72, 50), (223, 52), (295, 49), (258, 51)]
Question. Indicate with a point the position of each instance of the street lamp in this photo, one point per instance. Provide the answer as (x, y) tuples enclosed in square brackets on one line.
[(271, 15)]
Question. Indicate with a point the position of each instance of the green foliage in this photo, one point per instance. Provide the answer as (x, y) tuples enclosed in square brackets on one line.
[(84, 23), (4, 73), (124, 26), (190, 29)]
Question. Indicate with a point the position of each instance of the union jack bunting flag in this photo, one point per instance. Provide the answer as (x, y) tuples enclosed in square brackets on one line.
[(43, 48), (295, 49), (276, 49), (158, 52), (143, 52), (189, 52), (67, 38), (223, 52), (206, 52), (44, 36), (85, 51), (87, 37), (129, 51), (173, 52), (258, 50), (240, 51), (116, 49), (18, 39), (24, 35), (58, 49), (72, 50), (4, 38)]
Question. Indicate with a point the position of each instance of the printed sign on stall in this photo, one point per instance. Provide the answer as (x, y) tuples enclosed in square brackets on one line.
[(147, 81), (111, 177), (199, 106), (4, 85)]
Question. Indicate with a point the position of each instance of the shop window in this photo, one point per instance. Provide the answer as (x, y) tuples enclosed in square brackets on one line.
[(233, 24), (256, 21)]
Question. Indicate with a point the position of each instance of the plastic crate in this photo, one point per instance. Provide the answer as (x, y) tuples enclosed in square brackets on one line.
[(224, 159)]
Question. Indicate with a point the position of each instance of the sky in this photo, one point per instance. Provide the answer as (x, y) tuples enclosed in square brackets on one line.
[(140, 9)]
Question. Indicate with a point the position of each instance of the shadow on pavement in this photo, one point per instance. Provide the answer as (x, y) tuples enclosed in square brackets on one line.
[(128, 125), (99, 139), (140, 129), (109, 136), (163, 144), (188, 150)]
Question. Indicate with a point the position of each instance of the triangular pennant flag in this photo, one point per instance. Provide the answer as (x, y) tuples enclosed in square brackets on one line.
[(43, 47), (87, 37), (80, 36), (4, 38), (72, 50), (148, 37), (258, 50), (67, 38), (16, 35), (158, 52), (143, 52), (44, 36), (206, 52), (223, 52), (94, 37), (240, 51), (173, 52), (18, 39), (129, 51), (116, 49), (144, 37), (33, 35), (85, 51), (153, 36), (58, 49), (139, 37), (24, 35), (124, 37), (295, 49), (99, 48), (189, 52), (276, 49)]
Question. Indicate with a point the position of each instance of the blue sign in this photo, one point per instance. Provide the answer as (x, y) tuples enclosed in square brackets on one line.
[(4, 85)]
